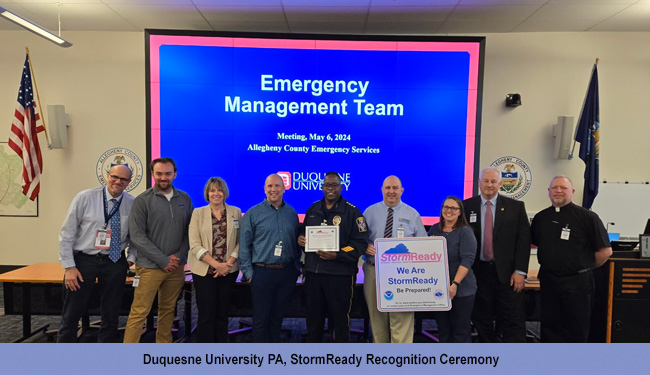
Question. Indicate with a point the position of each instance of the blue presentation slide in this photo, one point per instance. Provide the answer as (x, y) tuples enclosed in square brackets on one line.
[(244, 113)]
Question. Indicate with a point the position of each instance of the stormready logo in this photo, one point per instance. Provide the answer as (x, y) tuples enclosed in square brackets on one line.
[(310, 180)]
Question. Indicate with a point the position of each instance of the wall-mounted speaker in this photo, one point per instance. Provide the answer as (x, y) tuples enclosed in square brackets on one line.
[(563, 133), (58, 126)]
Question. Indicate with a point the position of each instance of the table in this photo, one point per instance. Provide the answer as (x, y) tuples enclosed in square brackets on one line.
[(45, 280)]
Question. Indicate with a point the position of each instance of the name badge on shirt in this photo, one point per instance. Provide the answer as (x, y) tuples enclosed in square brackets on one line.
[(566, 232), (472, 217), (235, 222), (400, 232), (278, 249), (103, 239)]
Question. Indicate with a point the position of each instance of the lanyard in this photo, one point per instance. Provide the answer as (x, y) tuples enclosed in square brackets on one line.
[(109, 215)]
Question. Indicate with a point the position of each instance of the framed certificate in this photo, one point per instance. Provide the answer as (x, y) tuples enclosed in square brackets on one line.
[(322, 237)]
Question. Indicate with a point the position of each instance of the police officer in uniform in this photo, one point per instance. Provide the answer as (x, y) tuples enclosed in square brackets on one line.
[(330, 275)]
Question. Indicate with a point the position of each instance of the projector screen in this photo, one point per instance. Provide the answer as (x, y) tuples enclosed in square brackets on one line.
[(243, 106)]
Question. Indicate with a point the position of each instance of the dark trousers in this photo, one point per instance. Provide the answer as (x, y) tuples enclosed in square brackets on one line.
[(213, 301), (497, 302), (110, 280), (328, 295), (455, 325), (566, 306), (272, 290)]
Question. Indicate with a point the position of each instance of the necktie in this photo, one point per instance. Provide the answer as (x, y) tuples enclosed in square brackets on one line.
[(488, 250), (116, 236), (388, 232)]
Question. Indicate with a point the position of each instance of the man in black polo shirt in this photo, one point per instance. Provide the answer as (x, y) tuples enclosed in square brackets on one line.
[(571, 241), (330, 275)]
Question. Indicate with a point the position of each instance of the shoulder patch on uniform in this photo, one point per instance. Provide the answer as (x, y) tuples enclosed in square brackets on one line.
[(347, 249), (361, 224)]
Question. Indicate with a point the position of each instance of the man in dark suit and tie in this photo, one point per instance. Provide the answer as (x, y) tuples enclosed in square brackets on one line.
[(502, 232)]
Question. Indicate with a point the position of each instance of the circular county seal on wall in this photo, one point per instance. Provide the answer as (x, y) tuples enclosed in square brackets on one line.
[(120, 156), (516, 177)]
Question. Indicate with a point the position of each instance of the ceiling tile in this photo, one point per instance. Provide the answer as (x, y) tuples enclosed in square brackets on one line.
[(493, 13), (591, 2), (402, 28), (71, 11), (411, 3), (502, 2), (574, 12), (157, 12), (64, 2), (239, 2), (409, 14), (149, 2), (327, 27), (175, 24), (326, 14), (98, 25), (272, 27), (243, 14), (480, 27), (554, 25), (326, 3)]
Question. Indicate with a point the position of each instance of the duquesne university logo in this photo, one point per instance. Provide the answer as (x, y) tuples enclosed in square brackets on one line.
[(310, 180)]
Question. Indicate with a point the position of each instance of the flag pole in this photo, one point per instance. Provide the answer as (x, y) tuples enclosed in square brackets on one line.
[(38, 98), (574, 138)]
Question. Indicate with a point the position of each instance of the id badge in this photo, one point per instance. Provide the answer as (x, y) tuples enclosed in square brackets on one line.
[(400, 232), (472, 217), (235, 222), (278, 249), (103, 239), (136, 281), (566, 232)]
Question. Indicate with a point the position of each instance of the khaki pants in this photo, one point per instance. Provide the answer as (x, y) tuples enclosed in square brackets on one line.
[(396, 327), (152, 281)]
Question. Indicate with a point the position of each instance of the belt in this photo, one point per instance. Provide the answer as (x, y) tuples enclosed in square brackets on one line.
[(98, 255), (270, 265), (487, 262)]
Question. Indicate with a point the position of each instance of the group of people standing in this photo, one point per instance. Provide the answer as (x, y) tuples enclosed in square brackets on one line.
[(488, 240)]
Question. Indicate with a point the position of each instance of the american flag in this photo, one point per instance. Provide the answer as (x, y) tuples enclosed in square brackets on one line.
[(24, 134)]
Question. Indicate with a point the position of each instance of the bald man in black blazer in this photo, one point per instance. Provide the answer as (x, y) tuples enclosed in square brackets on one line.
[(499, 312)]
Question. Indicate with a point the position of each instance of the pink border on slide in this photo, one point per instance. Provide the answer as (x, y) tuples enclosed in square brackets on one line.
[(155, 41)]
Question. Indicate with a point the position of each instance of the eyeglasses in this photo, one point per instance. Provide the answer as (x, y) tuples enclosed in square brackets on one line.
[(331, 186), (449, 208), (123, 180)]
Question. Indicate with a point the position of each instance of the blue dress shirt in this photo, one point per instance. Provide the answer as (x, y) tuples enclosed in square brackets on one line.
[(263, 227), (404, 216)]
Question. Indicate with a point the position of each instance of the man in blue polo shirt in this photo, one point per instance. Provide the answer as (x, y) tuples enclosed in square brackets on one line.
[(269, 257)]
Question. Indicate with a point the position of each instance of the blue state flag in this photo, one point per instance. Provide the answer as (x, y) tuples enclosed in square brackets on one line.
[(588, 134)]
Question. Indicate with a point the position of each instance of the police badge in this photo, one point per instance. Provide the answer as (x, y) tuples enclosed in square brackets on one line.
[(361, 224), (336, 220)]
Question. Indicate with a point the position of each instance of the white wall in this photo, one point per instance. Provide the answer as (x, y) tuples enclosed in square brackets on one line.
[(100, 80)]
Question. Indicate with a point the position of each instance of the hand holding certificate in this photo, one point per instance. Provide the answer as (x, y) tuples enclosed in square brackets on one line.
[(324, 237)]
